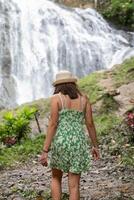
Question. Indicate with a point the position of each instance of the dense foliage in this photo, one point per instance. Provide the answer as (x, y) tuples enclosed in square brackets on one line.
[(121, 11), (15, 126)]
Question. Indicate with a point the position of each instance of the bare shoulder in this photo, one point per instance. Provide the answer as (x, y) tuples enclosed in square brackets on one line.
[(86, 99), (55, 98)]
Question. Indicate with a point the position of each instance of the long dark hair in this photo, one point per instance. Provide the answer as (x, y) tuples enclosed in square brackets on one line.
[(70, 89)]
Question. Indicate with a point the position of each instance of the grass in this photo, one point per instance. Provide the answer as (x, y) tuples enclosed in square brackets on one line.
[(89, 85), (122, 148), (47, 196), (124, 73), (109, 105), (105, 122), (20, 153), (29, 194), (115, 138), (127, 158)]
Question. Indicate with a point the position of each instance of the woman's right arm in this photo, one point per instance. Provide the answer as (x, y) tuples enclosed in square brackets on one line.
[(91, 129)]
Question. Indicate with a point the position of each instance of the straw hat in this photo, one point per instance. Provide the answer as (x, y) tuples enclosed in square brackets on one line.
[(64, 77)]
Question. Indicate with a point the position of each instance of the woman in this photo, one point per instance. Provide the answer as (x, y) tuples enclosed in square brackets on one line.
[(65, 134)]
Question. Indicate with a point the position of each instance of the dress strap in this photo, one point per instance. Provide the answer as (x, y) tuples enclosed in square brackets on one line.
[(81, 103), (62, 104)]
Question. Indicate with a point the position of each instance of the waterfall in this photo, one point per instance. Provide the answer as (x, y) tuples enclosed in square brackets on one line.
[(39, 38), (9, 52)]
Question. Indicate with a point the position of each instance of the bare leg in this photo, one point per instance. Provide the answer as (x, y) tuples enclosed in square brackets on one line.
[(56, 184), (74, 182)]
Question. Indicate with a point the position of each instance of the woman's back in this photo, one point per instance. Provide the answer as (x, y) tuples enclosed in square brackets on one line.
[(71, 113), (78, 104)]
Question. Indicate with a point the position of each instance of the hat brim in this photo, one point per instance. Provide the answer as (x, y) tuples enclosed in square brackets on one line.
[(70, 80)]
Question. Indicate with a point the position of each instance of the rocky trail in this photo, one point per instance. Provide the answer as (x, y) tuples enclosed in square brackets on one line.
[(106, 180), (123, 95)]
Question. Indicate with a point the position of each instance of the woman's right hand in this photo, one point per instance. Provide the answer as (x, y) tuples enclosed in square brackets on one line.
[(95, 153)]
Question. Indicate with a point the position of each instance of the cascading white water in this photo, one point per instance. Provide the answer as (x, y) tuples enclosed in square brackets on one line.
[(45, 37)]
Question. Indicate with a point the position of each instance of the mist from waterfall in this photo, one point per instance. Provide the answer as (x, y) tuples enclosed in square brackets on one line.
[(45, 37)]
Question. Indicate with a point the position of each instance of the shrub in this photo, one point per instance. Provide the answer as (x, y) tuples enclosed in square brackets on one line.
[(16, 126), (122, 11)]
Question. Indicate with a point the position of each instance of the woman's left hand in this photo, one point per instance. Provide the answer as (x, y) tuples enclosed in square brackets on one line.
[(95, 153), (44, 159)]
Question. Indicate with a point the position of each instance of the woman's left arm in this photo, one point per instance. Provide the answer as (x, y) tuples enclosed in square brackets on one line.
[(53, 121)]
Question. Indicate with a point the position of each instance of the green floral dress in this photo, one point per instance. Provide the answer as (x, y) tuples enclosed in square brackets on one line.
[(69, 148)]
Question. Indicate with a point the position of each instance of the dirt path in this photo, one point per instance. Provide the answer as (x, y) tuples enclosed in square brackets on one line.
[(105, 181)]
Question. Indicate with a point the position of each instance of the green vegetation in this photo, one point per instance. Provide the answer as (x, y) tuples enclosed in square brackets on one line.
[(120, 11), (105, 123), (89, 85), (109, 105), (120, 143), (42, 105), (21, 153), (29, 194), (124, 73), (47, 196), (14, 133), (116, 136), (16, 124)]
